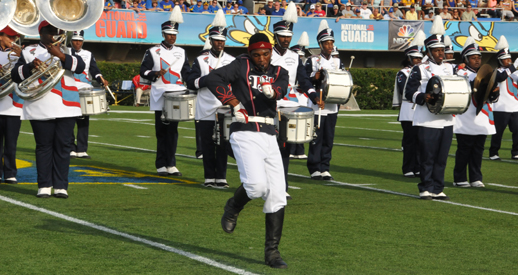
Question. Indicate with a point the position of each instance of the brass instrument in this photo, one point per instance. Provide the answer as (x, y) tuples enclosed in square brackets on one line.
[(483, 85), (7, 84), (7, 9)]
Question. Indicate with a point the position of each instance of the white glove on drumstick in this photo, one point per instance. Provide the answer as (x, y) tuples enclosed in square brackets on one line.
[(267, 88), (240, 113)]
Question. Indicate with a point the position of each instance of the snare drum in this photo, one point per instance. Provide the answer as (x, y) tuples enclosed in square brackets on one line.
[(179, 106), (93, 101), (222, 127), (336, 86), (451, 94), (299, 124)]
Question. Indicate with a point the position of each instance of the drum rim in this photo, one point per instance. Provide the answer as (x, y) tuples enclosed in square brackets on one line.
[(470, 93), (325, 91)]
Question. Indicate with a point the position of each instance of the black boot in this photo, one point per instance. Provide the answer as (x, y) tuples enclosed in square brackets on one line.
[(272, 256), (232, 208)]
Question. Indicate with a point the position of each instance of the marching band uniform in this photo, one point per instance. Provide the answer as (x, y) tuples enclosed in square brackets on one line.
[(435, 131), (157, 58), (10, 113), (506, 109), (290, 61), (214, 156), (254, 91), (52, 117), (406, 113), (471, 130), (320, 149), (83, 82)]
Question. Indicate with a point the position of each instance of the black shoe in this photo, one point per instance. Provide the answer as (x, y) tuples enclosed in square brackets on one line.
[(221, 184), (229, 219), (272, 256)]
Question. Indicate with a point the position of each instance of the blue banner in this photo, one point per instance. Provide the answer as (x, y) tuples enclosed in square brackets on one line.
[(123, 26)]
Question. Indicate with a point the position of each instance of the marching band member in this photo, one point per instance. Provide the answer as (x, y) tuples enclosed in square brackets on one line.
[(251, 85), (166, 65), (10, 108), (435, 131), (84, 82), (282, 56), (449, 53), (471, 129), (320, 149), (214, 156), (406, 112), (53, 116), (506, 109)]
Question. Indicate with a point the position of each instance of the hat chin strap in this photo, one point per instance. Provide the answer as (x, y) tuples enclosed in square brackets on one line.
[(277, 43)]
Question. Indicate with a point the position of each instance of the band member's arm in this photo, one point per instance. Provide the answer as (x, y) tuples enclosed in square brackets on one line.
[(21, 70), (412, 92), (218, 81), (310, 71), (502, 74), (401, 80), (185, 69), (195, 78), (280, 83), (146, 68), (305, 82), (69, 62), (94, 71)]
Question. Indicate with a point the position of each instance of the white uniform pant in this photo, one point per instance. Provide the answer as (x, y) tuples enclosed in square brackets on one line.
[(260, 168)]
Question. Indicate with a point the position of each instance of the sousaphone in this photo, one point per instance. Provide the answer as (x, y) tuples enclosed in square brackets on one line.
[(67, 16), (483, 84)]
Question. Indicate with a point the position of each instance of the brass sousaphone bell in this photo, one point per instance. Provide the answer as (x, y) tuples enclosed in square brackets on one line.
[(67, 15), (483, 84)]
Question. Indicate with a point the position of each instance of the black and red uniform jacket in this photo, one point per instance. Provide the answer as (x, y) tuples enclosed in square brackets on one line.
[(241, 80)]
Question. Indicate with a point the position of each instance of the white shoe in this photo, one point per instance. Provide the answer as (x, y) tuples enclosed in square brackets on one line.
[(11, 180), (221, 184), (173, 171), (83, 155), (162, 171), (326, 176), (44, 192), (495, 157), (73, 154), (292, 156), (425, 195), (316, 175), (302, 156), (60, 193), (440, 196), (409, 174), (461, 184), (209, 183), (477, 184), (288, 197)]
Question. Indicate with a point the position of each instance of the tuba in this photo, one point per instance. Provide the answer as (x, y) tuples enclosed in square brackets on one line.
[(66, 15), (6, 83)]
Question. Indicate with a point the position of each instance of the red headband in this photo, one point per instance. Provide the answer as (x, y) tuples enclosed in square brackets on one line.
[(42, 25), (259, 45), (7, 30)]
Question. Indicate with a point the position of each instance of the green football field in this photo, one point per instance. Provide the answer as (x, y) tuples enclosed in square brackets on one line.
[(121, 218)]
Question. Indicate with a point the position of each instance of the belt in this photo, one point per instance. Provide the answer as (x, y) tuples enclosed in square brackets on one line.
[(260, 119)]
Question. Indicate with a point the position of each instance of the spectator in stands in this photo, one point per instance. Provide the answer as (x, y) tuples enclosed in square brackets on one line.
[(329, 4), (198, 7), (166, 5), (307, 7), (411, 14), (376, 15), (300, 12), (235, 10), (108, 5), (284, 5), (507, 11), (347, 13), (469, 15), (445, 14), (140, 88), (311, 12), (494, 13), (430, 16), (515, 8), (406, 5), (460, 5), (319, 11), (244, 10), (269, 7), (375, 4), (474, 4), (426, 6), (335, 12), (262, 11), (355, 3), (155, 7), (277, 9), (214, 6), (450, 3), (363, 11), (228, 8), (205, 8), (184, 6), (439, 4), (455, 16), (397, 11), (134, 6)]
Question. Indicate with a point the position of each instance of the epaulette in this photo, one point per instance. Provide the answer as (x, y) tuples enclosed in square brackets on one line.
[(205, 52)]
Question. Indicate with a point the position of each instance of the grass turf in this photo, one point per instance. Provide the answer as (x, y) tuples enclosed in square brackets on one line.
[(329, 228)]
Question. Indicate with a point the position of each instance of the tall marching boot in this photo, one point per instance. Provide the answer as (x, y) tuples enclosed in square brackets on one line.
[(232, 208), (272, 256)]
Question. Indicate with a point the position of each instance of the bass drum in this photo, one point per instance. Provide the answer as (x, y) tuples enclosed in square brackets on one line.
[(450, 95), (179, 106), (336, 86), (93, 101), (297, 123)]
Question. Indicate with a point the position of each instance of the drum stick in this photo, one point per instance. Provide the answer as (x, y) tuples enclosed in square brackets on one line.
[(108, 89), (279, 114), (219, 59), (319, 110), (351, 64)]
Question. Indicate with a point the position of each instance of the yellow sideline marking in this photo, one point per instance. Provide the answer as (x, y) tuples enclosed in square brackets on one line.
[(22, 164)]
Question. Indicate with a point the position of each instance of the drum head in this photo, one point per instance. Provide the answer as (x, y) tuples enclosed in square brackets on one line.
[(435, 88), (323, 83)]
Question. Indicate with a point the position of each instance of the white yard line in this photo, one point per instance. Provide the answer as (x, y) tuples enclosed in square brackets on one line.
[(128, 236), (135, 186), (501, 185), (367, 115), (294, 187), (369, 129), (143, 136)]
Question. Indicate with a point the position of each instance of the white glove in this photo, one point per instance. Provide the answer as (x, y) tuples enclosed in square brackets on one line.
[(267, 88), (240, 113)]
